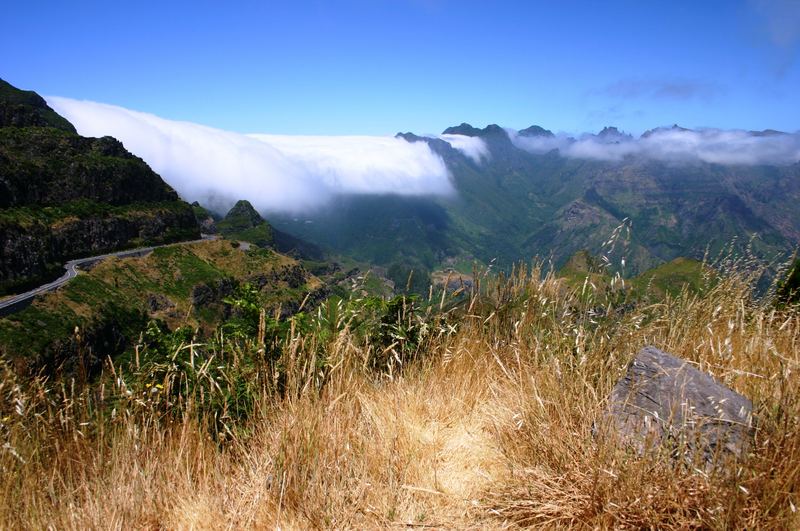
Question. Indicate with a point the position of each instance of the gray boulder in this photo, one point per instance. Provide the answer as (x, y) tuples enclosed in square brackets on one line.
[(664, 401)]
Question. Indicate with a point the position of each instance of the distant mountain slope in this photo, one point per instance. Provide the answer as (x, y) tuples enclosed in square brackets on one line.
[(518, 203), (64, 196)]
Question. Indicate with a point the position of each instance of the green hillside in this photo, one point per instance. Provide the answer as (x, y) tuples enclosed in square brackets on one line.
[(101, 312), (673, 277)]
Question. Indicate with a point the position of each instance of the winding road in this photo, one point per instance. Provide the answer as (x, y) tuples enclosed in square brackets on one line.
[(16, 303)]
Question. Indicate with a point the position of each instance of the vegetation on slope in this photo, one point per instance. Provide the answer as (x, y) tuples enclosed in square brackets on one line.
[(375, 414), (46, 167), (99, 313), (243, 222), (583, 267), (672, 278), (788, 293), (25, 108)]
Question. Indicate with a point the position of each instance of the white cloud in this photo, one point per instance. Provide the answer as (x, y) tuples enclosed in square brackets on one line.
[(538, 144), (722, 147), (275, 173), (471, 146), (675, 145)]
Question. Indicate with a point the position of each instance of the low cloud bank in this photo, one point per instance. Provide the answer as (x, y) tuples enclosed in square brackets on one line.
[(674, 145), (275, 173)]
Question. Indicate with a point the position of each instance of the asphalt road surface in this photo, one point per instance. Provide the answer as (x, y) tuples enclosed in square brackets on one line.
[(17, 302)]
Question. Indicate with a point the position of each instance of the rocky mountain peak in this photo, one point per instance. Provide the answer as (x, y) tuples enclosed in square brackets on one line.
[(536, 130), (611, 134), (674, 128), (491, 130), (463, 129)]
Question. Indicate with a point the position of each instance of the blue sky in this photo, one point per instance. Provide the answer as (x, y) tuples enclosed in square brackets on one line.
[(379, 67)]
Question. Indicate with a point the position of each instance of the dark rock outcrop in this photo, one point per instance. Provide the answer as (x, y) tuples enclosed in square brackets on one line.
[(203, 295), (663, 400), (157, 302), (208, 294), (293, 276)]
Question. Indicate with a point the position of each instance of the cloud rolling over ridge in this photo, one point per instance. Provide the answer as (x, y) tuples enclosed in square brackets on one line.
[(471, 146), (295, 174), (276, 173)]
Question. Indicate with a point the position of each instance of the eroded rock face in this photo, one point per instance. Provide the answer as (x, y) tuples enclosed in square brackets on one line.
[(663, 400), (208, 225)]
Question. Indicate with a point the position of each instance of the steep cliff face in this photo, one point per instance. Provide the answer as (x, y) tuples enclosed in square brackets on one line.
[(64, 196)]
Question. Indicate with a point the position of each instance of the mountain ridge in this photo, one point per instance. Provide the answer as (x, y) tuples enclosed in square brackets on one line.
[(517, 204)]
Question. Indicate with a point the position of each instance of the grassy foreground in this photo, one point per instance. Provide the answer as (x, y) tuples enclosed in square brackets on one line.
[(387, 415)]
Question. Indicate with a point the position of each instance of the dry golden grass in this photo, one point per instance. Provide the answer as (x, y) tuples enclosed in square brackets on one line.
[(490, 426)]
